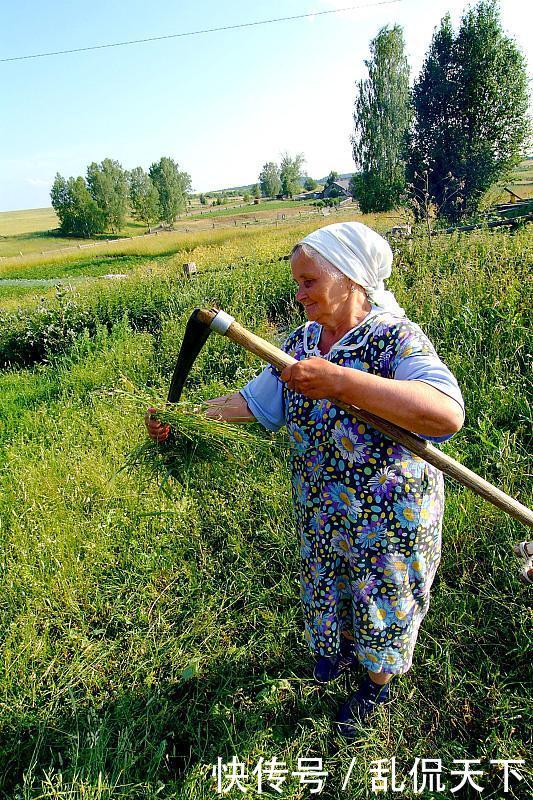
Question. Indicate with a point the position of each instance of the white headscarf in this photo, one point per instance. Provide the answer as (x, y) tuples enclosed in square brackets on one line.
[(362, 255)]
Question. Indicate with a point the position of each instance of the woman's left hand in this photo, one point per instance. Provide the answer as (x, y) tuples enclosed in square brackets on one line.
[(314, 377)]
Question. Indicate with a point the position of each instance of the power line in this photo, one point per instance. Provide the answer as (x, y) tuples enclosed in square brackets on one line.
[(199, 32)]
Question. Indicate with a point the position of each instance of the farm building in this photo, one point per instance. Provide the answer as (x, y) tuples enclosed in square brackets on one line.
[(339, 188), (307, 196)]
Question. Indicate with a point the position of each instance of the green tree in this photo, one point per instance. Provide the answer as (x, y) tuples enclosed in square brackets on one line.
[(382, 115), (269, 180), (291, 173), (79, 214), (310, 184), (330, 180), (144, 197), (470, 101), (172, 185), (256, 190), (108, 186), (203, 199), (355, 185)]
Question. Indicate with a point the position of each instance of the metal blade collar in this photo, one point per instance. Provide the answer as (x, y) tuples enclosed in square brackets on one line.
[(221, 322)]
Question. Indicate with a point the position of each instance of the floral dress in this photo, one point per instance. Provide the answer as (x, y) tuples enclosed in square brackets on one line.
[(368, 512)]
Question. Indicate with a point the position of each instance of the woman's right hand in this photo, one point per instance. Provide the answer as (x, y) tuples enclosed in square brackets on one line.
[(156, 430)]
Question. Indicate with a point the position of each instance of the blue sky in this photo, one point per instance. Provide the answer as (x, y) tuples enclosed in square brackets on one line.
[(220, 104)]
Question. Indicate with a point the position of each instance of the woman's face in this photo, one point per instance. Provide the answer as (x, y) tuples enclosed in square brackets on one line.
[(323, 297)]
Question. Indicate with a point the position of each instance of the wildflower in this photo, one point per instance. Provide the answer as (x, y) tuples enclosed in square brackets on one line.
[(362, 587), (343, 498), (383, 482), (407, 512), (349, 444)]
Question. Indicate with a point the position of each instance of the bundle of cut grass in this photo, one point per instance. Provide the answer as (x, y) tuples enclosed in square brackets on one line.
[(193, 437)]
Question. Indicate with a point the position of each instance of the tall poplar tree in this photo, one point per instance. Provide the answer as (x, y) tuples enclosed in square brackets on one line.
[(470, 103), (382, 115), (290, 172), (144, 197), (108, 186), (269, 180), (172, 186)]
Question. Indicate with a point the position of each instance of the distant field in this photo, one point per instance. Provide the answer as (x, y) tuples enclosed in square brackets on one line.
[(32, 231), (28, 231), (243, 208), (31, 220), (41, 244), (520, 181), (145, 252)]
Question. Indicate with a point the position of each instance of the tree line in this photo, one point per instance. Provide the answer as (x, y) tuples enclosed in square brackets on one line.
[(102, 200), (462, 126), (285, 178)]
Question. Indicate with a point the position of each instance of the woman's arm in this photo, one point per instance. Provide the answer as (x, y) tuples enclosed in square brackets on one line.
[(413, 405), (229, 407)]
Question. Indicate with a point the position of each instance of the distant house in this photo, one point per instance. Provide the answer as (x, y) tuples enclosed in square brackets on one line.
[(307, 196), (339, 188)]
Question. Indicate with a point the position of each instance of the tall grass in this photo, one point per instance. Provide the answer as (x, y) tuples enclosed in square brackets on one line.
[(143, 635)]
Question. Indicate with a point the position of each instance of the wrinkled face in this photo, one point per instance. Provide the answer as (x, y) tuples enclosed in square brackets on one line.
[(323, 296)]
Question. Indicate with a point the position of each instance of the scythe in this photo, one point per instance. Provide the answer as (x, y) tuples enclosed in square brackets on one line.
[(203, 321)]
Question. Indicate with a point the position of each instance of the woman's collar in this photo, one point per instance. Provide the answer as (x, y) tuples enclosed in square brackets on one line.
[(313, 330)]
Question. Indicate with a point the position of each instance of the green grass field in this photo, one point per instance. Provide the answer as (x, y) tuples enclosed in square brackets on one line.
[(145, 634), (245, 208), (34, 231)]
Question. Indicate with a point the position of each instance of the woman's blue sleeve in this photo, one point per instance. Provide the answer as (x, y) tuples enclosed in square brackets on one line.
[(264, 396)]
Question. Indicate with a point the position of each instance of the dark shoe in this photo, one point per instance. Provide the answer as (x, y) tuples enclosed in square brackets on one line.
[(359, 707), (328, 668)]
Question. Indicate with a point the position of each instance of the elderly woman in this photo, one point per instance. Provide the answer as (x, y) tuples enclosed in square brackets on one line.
[(369, 513)]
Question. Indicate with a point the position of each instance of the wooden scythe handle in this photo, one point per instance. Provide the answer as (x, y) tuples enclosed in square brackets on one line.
[(420, 447)]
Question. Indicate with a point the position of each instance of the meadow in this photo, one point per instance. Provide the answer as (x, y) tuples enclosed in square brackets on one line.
[(35, 231), (146, 633)]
